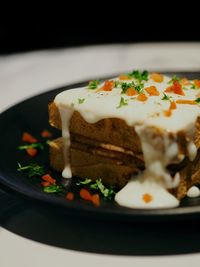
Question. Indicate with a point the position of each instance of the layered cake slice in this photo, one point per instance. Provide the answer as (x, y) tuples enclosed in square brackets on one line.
[(139, 131)]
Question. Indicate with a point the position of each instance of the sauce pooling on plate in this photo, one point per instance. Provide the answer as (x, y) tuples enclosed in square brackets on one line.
[(158, 107)]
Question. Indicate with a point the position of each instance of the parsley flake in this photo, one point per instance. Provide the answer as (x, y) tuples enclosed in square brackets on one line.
[(140, 76), (81, 100), (166, 97), (32, 169), (197, 100), (93, 84), (174, 79), (107, 192), (123, 102), (53, 189), (34, 145), (86, 181)]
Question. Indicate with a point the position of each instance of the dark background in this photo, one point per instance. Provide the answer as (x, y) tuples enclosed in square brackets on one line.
[(73, 24)]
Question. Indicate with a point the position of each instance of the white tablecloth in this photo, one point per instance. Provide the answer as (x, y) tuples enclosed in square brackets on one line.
[(24, 75)]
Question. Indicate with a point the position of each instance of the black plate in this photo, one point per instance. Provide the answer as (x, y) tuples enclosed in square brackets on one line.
[(31, 115)]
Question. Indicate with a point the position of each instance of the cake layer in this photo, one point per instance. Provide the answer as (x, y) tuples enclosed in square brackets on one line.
[(115, 169)]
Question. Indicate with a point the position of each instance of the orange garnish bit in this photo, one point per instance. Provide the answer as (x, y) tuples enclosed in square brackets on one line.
[(176, 88), (108, 85), (185, 81), (48, 178), (31, 152), (169, 89), (185, 101), (152, 91), (142, 97), (123, 77), (85, 194), (46, 134), (45, 183), (197, 83), (167, 113), (27, 137), (70, 196), (96, 200), (131, 91), (157, 77), (147, 198), (173, 105)]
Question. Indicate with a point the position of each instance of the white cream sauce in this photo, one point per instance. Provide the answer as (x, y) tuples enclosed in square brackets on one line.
[(132, 194), (144, 116), (193, 192), (192, 150), (66, 113)]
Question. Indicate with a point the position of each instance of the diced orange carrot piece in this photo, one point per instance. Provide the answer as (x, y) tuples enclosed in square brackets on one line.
[(152, 91), (27, 137), (46, 134), (131, 91), (173, 105), (31, 152), (96, 200), (169, 89), (108, 85), (70, 196), (123, 77), (147, 198), (185, 101), (142, 97), (85, 194), (48, 178), (177, 88), (157, 77), (167, 113), (45, 183), (185, 81), (197, 83)]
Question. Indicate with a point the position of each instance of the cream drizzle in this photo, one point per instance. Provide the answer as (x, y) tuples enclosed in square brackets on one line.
[(65, 114), (158, 152), (193, 192)]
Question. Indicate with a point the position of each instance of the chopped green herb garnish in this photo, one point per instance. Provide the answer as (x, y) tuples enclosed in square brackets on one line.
[(107, 192), (123, 102), (174, 79), (139, 87), (32, 169), (165, 97), (93, 84), (197, 100), (140, 76), (81, 100), (53, 189), (125, 86), (86, 181), (34, 145), (193, 86), (117, 84)]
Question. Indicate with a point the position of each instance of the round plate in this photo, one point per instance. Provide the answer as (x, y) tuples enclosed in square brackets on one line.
[(31, 115)]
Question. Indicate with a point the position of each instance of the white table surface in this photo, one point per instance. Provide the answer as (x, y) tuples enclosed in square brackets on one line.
[(24, 75)]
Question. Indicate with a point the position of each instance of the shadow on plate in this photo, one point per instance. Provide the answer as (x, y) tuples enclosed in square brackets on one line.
[(108, 237)]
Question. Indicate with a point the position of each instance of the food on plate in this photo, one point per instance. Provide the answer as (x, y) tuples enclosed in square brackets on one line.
[(139, 132)]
